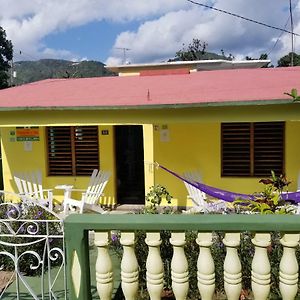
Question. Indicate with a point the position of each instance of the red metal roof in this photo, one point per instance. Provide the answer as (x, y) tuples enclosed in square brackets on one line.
[(201, 88)]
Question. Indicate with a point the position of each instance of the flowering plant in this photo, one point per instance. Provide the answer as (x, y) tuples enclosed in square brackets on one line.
[(269, 201)]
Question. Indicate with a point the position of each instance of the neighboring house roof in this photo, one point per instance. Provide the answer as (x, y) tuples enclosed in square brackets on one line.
[(221, 87), (195, 65)]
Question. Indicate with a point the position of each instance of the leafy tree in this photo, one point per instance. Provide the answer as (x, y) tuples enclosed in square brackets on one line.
[(285, 61), (6, 55), (263, 56), (194, 51)]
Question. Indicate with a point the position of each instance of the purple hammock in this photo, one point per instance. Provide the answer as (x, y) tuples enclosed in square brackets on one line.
[(226, 195)]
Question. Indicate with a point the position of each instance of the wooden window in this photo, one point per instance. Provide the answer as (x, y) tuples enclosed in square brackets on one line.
[(72, 150), (252, 149)]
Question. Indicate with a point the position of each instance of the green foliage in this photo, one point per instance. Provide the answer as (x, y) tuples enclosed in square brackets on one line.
[(263, 56), (30, 71), (294, 95), (285, 61), (196, 50), (6, 55), (156, 194), (269, 201)]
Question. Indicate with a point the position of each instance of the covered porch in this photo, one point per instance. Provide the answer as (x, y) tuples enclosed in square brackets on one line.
[(180, 139)]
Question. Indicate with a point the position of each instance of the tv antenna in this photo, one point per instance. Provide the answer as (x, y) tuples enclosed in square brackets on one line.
[(124, 53)]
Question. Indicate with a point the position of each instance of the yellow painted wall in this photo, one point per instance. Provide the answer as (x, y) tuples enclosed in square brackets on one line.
[(179, 147), (15, 158), (174, 115), (292, 146), (187, 147), (148, 156)]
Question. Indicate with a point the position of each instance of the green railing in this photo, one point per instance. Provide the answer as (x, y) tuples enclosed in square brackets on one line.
[(77, 228)]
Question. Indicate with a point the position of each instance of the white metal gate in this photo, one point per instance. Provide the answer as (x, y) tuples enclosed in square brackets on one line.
[(32, 249)]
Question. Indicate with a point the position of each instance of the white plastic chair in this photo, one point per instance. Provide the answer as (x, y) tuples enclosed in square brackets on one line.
[(30, 188), (196, 195), (89, 196)]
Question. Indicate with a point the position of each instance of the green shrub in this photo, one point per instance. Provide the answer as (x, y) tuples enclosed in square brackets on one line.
[(154, 197), (270, 196), (269, 201)]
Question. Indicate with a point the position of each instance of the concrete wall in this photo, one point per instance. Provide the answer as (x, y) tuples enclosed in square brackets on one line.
[(179, 147), (198, 147)]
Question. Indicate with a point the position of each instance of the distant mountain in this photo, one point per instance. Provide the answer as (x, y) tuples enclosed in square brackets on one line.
[(29, 71)]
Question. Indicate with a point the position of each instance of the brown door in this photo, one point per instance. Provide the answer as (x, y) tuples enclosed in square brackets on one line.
[(129, 151)]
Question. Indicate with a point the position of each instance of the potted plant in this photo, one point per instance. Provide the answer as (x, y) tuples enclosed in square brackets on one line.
[(155, 196)]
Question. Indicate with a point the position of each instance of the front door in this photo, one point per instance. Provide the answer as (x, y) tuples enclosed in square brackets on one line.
[(129, 151)]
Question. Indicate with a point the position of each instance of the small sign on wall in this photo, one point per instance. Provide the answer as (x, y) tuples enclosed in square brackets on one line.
[(12, 136), (24, 134), (105, 132), (28, 146), (164, 134)]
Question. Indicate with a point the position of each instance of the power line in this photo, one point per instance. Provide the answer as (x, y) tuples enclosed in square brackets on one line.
[(241, 17), (280, 35)]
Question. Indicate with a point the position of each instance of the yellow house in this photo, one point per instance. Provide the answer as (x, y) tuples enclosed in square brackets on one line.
[(233, 125)]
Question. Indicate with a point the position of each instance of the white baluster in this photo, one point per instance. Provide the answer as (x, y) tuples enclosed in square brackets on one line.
[(232, 266), (104, 270), (261, 269), (129, 267), (288, 268), (205, 266), (154, 266), (179, 266)]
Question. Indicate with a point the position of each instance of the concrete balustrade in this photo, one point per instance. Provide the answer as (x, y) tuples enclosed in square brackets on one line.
[(232, 226)]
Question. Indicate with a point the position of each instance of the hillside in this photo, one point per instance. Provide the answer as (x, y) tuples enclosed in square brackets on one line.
[(29, 71)]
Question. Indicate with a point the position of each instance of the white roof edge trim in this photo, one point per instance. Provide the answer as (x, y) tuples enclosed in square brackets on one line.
[(195, 62)]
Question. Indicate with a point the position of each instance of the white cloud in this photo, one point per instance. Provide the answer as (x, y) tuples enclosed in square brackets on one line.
[(159, 39), (164, 26), (28, 22)]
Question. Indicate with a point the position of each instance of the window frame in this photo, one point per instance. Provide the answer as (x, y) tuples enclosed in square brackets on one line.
[(74, 154), (275, 132)]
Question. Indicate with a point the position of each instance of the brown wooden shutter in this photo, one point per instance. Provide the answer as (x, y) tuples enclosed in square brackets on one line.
[(59, 150), (236, 149), (72, 150), (86, 149), (268, 148)]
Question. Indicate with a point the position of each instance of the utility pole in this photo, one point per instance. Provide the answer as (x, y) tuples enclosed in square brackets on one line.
[(11, 72), (124, 53), (292, 33)]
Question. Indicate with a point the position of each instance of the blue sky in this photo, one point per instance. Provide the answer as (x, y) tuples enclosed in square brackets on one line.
[(153, 30), (92, 41)]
